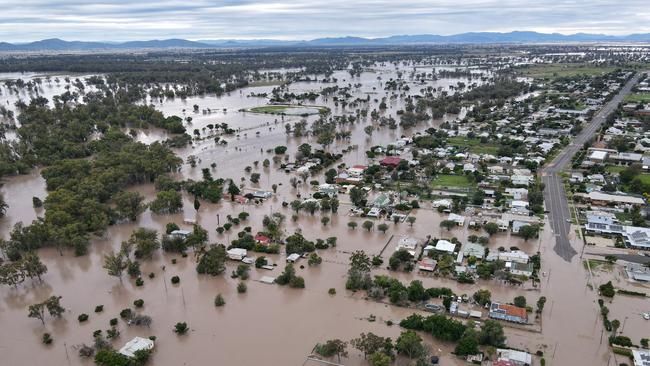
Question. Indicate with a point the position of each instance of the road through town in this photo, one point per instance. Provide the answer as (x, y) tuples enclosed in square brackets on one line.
[(554, 195)]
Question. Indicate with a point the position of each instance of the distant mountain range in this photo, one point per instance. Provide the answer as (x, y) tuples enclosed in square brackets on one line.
[(56, 44)]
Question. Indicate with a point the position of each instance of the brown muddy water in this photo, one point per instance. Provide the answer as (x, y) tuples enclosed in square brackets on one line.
[(269, 324)]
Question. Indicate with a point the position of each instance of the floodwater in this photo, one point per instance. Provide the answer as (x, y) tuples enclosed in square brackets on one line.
[(269, 322)]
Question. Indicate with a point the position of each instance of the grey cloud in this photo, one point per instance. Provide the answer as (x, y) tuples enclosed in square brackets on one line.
[(119, 20)]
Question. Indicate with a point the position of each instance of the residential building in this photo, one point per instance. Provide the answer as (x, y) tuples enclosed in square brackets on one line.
[(473, 250), (445, 246), (601, 217), (509, 313), (641, 357), (427, 264), (392, 161), (135, 345), (601, 198), (520, 269), (516, 358), (458, 219)]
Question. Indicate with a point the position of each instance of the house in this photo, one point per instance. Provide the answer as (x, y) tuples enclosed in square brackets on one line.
[(518, 194), (183, 234), (517, 225), (641, 357), (136, 344), (445, 246), (442, 203), (507, 312), (473, 250), (520, 269), (598, 156), (392, 161), (427, 264), (407, 243), (346, 178), (458, 219), (374, 212), (293, 257), (262, 239), (236, 254), (328, 189), (638, 272), (381, 201), (577, 177), (521, 180), (503, 224), (601, 198), (625, 158), (516, 358), (357, 170), (514, 256), (601, 217)]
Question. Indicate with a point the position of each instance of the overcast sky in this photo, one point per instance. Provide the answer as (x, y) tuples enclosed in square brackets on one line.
[(120, 20)]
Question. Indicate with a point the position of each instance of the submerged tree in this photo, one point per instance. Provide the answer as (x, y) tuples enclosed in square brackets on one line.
[(115, 264), (51, 304)]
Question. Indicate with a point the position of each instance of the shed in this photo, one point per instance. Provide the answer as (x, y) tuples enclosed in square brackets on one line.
[(268, 280)]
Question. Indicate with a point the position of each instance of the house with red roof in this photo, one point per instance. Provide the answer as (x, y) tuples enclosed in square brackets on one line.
[(509, 313), (262, 239), (392, 161)]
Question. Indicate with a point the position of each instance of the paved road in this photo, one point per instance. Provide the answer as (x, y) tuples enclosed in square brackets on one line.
[(554, 196)]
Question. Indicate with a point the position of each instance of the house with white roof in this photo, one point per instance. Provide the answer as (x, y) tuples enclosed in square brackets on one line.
[(136, 344), (458, 219), (445, 246)]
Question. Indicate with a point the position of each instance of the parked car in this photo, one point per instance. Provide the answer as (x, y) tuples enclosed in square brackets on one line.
[(433, 308)]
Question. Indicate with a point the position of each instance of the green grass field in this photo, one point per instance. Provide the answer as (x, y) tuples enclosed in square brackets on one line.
[(638, 97), (473, 145), (288, 109), (269, 109), (451, 181), (553, 71), (614, 168), (645, 178)]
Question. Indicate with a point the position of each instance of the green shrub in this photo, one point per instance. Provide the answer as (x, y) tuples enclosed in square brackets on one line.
[(219, 300), (126, 313), (181, 328), (241, 288)]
